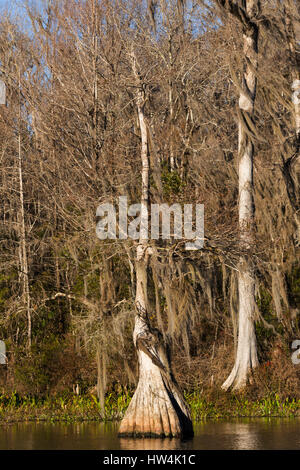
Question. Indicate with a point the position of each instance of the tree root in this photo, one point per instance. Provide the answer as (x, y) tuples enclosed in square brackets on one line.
[(157, 409)]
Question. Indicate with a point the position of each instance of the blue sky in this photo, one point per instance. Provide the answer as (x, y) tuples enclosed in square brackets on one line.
[(16, 9), (8, 3), (15, 6)]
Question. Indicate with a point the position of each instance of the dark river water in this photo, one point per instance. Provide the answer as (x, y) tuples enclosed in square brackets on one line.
[(256, 434)]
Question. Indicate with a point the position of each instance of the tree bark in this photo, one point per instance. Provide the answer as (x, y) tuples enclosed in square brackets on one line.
[(101, 377), (171, 106), (246, 355), (23, 244), (157, 408)]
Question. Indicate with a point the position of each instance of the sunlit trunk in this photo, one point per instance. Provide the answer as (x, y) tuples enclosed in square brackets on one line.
[(246, 355), (157, 408), (22, 231), (101, 376)]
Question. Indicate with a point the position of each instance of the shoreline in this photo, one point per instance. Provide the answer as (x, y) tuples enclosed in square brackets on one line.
[(86, 408), (77, 420)]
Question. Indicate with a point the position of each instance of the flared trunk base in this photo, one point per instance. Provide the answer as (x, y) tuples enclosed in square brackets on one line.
[(157, 408), (238, 379)]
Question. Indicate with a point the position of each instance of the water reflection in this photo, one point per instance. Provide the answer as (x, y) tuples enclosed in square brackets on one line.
[(248, 434), (244, 436), (239, 434), (149, 444)]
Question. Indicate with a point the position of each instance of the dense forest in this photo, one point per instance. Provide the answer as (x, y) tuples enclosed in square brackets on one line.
[(167, 101)]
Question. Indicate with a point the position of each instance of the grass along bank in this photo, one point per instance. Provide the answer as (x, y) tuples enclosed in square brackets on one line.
[(66, 407), (71, 408), (238, 406)]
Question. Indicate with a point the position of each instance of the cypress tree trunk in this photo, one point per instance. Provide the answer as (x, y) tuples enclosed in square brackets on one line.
[(246, 355), (22, 230), (157, 408)]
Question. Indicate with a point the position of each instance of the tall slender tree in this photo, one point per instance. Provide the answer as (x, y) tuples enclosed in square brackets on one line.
[(157, 407), (247, 12)]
